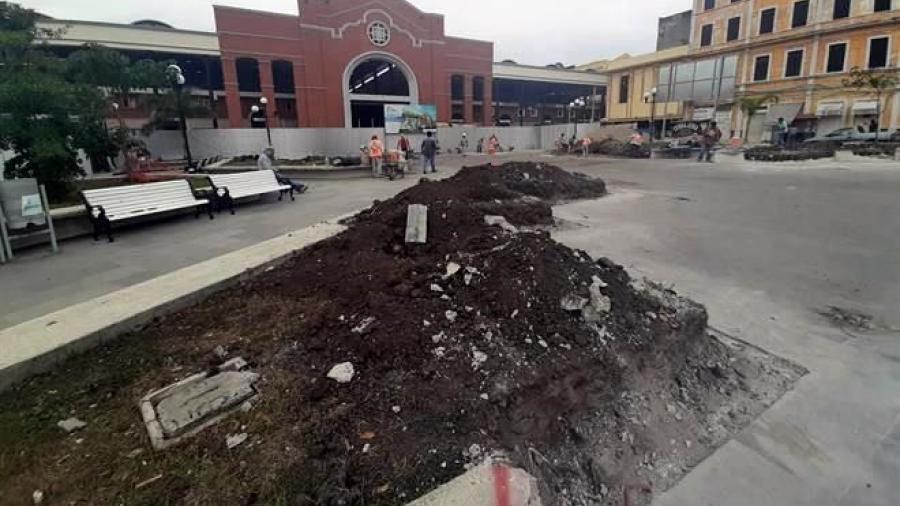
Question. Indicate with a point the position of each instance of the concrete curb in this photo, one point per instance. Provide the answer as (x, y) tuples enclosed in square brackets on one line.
[(37, 345)]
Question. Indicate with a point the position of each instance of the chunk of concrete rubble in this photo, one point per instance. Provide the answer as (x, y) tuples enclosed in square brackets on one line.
[(235, 440), (500, 221), (479, 486), (573, 302), (71, 425), (342, 373), (452, 268), (185, 408), (417, 224)]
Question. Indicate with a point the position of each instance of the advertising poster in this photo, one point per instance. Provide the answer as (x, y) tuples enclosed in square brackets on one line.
[(409, 119)]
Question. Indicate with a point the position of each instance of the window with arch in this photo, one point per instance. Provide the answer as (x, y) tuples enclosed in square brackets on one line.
[(379, 76)]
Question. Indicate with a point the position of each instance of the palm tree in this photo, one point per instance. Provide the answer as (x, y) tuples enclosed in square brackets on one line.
[(868, 82), (750, 105)]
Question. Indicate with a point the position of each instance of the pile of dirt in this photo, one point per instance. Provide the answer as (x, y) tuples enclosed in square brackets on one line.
[(617, 148), (488, 339)]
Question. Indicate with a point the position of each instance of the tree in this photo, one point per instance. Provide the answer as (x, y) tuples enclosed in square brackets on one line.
[(40, 119), (750, 105), (869, 82)]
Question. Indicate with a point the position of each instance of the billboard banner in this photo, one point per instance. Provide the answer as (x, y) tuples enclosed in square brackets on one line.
[(409, 119)]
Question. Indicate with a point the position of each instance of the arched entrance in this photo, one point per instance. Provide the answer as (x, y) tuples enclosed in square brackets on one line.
[(372, 80)]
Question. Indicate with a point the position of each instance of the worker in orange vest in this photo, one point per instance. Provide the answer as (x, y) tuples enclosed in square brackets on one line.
[(376, 155)]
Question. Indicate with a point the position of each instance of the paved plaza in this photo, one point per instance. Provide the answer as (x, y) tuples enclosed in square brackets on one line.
[(767, 248)]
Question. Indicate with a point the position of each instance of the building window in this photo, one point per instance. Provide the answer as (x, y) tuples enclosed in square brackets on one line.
[(761, 68), (878, 52), (882, 5), (457, 87), (623, 89), (837, 56), (767, 21), (734, 29), (709, 4), (841, 9), (793, 63), (706, 33), (478, 89), (801, 14)]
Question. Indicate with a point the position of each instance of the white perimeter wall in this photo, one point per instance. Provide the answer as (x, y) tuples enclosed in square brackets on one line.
[(297, 143)]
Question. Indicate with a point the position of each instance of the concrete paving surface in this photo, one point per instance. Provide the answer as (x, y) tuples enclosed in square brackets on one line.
[(766, 247)]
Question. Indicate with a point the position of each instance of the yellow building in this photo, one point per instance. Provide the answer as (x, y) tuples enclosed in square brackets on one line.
[(799, 50), (631, 78)]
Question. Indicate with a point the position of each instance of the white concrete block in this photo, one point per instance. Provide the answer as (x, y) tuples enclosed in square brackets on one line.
[(493, 483), (417, 224)]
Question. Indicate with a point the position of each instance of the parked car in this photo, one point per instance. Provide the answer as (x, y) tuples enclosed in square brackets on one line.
[(851, 134)]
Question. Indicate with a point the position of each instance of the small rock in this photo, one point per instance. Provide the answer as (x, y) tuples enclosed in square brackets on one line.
[(484, 397), (71, 425), (478, 358), (573, 302), (452, 268), (436, 288), (438, 338), (235, 440), (37, 496), (467, 278), (364, 325), (543, 343), (396, 409), (687, 443), (246, 407), (366, 448), (134, 453), (500, 221), (451, 315), (670, 408), (342, 373), (439, 352), (221, 352)]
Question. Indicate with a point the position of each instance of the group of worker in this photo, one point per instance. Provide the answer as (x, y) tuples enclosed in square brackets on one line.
[(429, 150)]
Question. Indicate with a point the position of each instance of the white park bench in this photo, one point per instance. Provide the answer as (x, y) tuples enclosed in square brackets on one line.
[(112, 205), (230, 187)]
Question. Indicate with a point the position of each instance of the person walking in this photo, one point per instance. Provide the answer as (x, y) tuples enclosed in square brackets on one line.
[(464, 143), (710, 137), (586, 145), (429, 153), (376, 155), (403, 146)]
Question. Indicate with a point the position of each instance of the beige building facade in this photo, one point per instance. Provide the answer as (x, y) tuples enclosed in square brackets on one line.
[(801, 51)]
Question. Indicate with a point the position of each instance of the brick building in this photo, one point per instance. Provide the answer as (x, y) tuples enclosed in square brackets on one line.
[(336, 64)]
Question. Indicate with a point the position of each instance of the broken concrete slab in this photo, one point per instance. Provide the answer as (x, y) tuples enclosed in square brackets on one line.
[(185, 408), (417, 224)]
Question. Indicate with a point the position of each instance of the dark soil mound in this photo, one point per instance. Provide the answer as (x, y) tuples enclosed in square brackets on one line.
[(488, 339)]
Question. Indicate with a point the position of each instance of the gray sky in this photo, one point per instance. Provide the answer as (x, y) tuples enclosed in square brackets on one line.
[(571, 31)]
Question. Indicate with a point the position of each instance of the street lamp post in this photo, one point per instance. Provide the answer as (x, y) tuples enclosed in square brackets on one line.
[(650, 98), (263, 101), (573, 108), (176, 77)]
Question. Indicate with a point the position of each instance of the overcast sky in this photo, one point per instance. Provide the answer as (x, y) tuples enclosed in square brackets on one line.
[(570, 31)]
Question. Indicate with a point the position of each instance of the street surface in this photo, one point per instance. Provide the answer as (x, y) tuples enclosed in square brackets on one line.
[(767, 248)]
